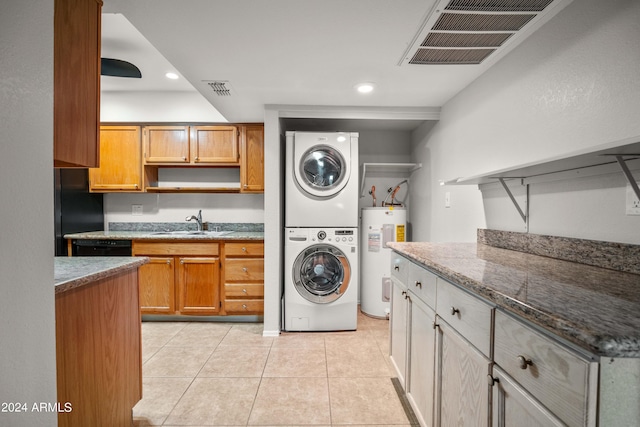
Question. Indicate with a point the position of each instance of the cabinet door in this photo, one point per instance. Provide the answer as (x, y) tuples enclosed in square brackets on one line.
[(76, 83), (120, 163), (252, 159), (513, 406), (157, 290), (166, 144), (198, 285), (422, 342), (462, 397), (399, 332), (215, 144)]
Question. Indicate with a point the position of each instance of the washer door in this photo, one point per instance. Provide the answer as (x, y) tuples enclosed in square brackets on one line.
[(321, 171), (321, 273)]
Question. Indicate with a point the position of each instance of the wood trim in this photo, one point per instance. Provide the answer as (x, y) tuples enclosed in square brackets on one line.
[(169, 247)]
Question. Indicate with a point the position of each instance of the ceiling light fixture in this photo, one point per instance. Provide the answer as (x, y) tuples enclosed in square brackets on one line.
[(172, 76), (365, 87)]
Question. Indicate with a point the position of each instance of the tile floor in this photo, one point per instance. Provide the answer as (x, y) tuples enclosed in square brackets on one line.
[(210, 373)]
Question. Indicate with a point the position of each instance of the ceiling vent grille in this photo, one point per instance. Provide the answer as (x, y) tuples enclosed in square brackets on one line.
[(499, 5), (220, 87), (454, 29)]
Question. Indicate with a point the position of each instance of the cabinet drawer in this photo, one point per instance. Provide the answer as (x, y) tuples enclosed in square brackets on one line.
[(422, 283), (467, 314), (554, 375), (244, 290), (244, 249), (244, 269), (239, 306), (399, 268), (175, 248)]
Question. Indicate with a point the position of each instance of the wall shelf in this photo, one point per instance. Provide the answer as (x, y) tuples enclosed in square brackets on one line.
[(402, 169)]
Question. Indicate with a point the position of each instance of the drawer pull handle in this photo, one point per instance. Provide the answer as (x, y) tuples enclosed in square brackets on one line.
[(396, 268), (454, 311), (419, 284), (523, 362)]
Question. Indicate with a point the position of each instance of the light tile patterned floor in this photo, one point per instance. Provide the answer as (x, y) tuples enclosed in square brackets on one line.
[(210, 373)]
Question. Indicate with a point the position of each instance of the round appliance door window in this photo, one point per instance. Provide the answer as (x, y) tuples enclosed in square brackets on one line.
[(322, 171), (321, 273)]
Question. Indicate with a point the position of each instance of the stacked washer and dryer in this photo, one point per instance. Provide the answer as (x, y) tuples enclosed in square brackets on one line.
[(321, 232)]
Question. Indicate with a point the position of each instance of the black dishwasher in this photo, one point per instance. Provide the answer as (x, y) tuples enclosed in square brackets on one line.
[(85, 247)]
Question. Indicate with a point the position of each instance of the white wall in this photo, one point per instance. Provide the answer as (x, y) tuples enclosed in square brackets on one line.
[(170, 106), (571, 86), (174, 207), (27, 334)]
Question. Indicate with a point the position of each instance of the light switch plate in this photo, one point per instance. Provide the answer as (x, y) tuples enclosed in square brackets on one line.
[(447, 199), (136, 210)]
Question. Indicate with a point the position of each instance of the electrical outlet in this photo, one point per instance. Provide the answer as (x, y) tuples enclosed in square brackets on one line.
[(136, 210), (633, 203)]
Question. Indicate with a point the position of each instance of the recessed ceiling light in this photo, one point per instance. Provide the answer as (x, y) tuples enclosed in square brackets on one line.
[(365, 87), (172, 76)]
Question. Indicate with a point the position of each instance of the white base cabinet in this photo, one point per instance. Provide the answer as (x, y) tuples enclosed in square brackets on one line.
[(422, 340)]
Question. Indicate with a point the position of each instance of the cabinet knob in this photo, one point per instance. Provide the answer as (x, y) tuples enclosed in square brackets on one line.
[(491, 380), (246, 186), (454, 311), (244, 249), (523, 362), (396, 268), (168, 262), (184, 158), (245, 269), (197, 158), (181, 261), (244, 306), (404, 293), (244, 290), (419, 284)]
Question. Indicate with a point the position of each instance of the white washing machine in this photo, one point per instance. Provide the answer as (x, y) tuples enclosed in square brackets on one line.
[(321, 279), (321, 179)]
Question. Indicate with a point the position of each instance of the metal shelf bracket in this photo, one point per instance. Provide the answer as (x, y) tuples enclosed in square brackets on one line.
[(523, 215), (628, 175)]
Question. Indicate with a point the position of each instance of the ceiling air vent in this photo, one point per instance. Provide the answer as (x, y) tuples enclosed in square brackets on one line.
[(220, 87), (470, 31)]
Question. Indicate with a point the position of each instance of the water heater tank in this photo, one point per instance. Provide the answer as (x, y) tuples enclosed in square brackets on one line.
[(380, 225)]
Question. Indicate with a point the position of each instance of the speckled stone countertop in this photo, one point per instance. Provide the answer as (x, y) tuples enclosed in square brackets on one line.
[(596, 308), (73, 272), (153, 235)]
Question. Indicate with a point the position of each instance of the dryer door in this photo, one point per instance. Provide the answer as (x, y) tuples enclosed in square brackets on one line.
[(321, 273), (321, 170)]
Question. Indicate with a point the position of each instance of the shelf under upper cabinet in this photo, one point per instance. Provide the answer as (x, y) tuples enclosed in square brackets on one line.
[(192, 189), (403, 168)]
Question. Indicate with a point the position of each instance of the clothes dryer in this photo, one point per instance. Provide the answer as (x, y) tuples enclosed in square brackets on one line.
[(321, 179), (321, 279)]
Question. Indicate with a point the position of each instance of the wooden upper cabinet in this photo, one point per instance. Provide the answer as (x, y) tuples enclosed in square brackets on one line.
[(120, 160), (215, 145), (76, 83), (252, 159), (166, 144)]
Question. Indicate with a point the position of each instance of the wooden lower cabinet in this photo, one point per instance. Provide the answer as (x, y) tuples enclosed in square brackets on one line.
[(198, 285), (157, 286), (201, 278), (181, 278), (462, 396), (243, 278)]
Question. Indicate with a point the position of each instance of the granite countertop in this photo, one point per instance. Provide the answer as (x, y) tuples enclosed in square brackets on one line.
[(154, 235), (73, 272), (596, 308)]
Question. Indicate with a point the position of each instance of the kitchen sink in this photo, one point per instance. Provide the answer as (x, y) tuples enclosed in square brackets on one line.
[(191, 233)]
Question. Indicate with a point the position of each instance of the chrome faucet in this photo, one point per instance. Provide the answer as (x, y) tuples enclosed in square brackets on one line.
[(197, 218)]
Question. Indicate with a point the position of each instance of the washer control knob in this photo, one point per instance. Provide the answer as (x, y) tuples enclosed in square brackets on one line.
[(321, 235), (351, 239)]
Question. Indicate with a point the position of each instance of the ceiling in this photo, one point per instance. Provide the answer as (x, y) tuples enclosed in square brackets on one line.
[(288, 52)]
